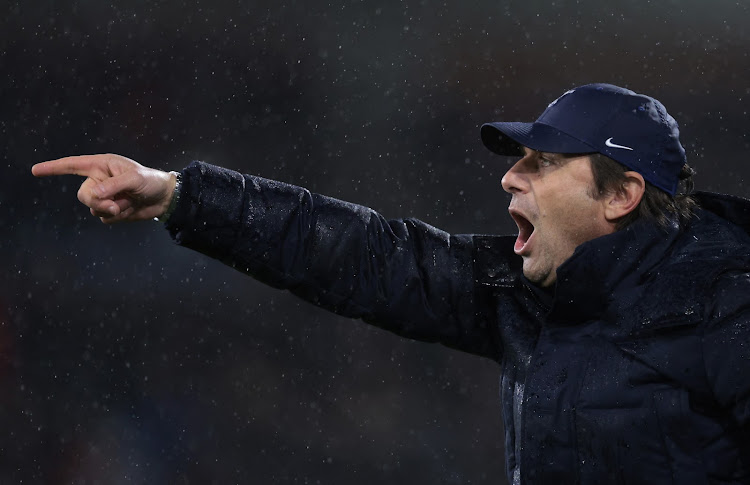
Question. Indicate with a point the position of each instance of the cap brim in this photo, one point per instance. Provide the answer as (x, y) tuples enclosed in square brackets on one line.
[(509, 138)]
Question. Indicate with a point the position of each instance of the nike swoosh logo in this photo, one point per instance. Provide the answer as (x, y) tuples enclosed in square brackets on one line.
[(614, 145)]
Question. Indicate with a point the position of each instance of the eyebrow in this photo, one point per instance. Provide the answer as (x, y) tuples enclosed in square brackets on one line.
[(561, 156), (527, 150), (554, 156)]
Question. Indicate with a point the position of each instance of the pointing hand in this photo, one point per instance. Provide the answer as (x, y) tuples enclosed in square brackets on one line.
[(116, 188)]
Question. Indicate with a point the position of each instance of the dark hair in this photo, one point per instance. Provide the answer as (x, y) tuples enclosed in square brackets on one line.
[(656, 205)]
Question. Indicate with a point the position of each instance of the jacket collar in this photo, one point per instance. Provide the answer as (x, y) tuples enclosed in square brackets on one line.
[(601, 268), (598, 269)]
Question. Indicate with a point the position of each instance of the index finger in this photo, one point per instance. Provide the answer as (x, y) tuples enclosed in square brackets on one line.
[(79, 165)]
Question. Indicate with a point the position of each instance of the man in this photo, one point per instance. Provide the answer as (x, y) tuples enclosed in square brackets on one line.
[(622, 329)]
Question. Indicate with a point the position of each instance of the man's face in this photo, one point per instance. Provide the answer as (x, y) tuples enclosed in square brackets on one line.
[(554, 208)]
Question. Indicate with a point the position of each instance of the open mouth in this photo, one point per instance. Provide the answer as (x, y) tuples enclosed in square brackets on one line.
[(525, 231)]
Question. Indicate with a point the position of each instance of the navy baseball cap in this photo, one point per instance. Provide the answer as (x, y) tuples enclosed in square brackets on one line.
[(628, 127)]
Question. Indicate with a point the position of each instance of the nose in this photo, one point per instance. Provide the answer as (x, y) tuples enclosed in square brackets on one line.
[(514, 180)]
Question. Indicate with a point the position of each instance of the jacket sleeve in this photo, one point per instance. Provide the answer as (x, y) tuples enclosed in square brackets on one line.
[(726, 345), (401, 275)]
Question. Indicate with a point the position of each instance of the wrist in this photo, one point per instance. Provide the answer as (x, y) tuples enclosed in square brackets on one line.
[(174, 199)]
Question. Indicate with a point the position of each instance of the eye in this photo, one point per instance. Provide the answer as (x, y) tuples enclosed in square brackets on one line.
[(545, 162)]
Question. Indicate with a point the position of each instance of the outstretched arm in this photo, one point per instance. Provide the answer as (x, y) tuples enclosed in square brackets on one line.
[(402, 275), (116, 188)]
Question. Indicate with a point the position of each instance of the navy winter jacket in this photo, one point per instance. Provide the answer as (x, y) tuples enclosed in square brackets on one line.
[(636, 369)]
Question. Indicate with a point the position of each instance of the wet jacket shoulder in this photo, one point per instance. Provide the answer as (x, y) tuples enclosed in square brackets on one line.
[(403, 275), (726, 328)]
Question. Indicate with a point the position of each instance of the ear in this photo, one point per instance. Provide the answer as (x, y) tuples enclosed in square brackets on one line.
[(626, 198)]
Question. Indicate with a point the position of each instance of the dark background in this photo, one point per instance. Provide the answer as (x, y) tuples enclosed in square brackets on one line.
[(126, 359)]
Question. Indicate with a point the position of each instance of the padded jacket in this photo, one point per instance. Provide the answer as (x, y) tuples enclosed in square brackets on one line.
[(636, 369)]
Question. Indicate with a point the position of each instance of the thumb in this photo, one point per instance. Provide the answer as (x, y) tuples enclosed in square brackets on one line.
[(125, 182)]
